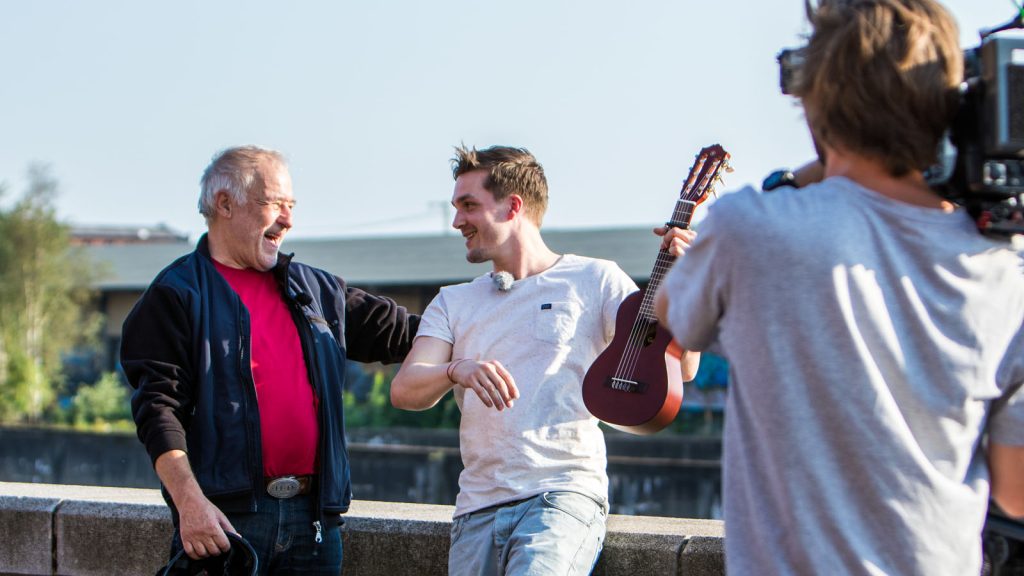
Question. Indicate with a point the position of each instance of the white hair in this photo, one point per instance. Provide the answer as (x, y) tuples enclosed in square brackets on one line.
[(235, 171)]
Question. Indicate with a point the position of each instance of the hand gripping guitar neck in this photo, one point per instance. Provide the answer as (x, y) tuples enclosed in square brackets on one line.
[(636, 384)]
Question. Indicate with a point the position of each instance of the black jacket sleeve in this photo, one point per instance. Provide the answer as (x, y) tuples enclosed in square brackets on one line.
[(156, 339), (377, 329)]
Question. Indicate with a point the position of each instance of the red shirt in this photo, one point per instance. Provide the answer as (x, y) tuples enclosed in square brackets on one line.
[(287, 405)]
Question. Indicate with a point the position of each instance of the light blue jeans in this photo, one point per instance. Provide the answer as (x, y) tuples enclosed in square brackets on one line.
[(551, 534)]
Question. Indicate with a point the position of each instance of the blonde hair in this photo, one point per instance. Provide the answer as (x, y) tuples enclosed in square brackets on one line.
[(881, 78)]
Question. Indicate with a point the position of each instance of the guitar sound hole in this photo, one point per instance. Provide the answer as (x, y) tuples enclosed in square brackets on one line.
[(652, 333)]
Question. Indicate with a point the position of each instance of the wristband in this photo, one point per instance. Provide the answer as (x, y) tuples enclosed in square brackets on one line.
[(451, 369)]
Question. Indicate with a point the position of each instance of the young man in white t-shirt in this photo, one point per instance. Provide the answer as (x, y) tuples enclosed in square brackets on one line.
[(875, 339), (514, 346)]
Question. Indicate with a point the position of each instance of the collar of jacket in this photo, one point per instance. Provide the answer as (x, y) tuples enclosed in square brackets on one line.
[(280, 270)]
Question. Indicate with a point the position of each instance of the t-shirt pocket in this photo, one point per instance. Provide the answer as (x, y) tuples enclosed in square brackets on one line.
[(555, 322)]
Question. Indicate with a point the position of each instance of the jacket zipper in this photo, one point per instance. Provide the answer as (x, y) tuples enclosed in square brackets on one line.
[(314, 381), (255, 470)]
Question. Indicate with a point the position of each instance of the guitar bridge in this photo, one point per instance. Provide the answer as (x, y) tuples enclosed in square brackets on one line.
[(625, 385)]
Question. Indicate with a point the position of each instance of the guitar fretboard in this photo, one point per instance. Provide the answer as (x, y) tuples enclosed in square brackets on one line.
[(645, 331), (681, 217)]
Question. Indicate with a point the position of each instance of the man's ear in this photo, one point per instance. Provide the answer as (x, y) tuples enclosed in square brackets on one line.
[(515, 205), (223, 203)]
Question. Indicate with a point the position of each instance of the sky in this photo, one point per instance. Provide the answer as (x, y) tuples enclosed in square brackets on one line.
[(127, 101)]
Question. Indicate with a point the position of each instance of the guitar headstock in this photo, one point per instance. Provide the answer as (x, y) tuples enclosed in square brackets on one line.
[(705, 173)]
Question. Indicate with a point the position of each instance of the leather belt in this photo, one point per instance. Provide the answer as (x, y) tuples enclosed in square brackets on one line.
[(288, 486)]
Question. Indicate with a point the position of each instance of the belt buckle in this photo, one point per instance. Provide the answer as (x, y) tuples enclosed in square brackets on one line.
[(284, 487)]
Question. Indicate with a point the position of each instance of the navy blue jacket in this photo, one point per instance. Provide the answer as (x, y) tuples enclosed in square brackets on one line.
[(185, 349)]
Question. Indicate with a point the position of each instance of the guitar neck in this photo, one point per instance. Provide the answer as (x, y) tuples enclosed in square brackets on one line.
[(681, 217)]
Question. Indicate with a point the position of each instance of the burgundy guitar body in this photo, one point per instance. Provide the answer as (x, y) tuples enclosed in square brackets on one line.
[(656, 373), (636, 384)]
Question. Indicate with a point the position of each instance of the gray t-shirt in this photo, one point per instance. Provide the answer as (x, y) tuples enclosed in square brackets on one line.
[(872, 344), (546, 331)]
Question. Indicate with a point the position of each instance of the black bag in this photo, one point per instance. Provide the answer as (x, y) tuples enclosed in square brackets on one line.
[(240, 560), (1002, 543)]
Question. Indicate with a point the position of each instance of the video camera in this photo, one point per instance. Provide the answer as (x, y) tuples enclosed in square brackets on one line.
[(981, 166)]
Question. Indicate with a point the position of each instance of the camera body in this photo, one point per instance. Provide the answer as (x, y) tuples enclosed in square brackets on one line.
[(988, 137), (981, 166)]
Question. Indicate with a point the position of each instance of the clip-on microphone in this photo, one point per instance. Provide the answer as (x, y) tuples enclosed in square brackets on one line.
[(302, 298), (502, 280)]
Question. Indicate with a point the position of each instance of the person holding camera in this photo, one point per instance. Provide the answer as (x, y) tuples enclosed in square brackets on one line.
[(875, 338)]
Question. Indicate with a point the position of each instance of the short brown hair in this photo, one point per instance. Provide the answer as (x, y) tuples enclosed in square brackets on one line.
[(880, 78), (510, 171)]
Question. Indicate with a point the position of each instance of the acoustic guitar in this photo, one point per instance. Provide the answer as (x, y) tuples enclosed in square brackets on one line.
[(636, 384)]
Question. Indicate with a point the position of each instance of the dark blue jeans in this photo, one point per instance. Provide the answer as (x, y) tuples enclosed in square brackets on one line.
[(283, 535)]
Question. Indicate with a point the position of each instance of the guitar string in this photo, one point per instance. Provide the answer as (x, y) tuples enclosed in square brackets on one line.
[(628, 362), (641, 325), (683, 213)]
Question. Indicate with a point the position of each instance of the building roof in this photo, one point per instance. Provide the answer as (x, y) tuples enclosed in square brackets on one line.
[(100, 234), (388, 260)]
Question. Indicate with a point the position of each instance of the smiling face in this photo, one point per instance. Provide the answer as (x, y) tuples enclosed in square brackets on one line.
[(251, 233), (483, 221)]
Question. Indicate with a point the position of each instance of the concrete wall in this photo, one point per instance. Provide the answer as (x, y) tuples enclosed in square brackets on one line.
[(660, 475), (50, 529)]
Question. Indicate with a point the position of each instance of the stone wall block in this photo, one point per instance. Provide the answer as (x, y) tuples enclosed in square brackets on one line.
[(703, 556), (389, 539), (26, 534)]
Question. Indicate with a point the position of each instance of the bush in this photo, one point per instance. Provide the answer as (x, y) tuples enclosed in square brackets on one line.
[(103, 404), (373, 409)]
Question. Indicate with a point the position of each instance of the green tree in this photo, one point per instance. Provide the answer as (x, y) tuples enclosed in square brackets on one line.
[(45, 292), (374, 410), (103, 404)]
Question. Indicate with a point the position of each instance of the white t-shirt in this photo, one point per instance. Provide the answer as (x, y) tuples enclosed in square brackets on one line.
[(546, 331), (871, 344)]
